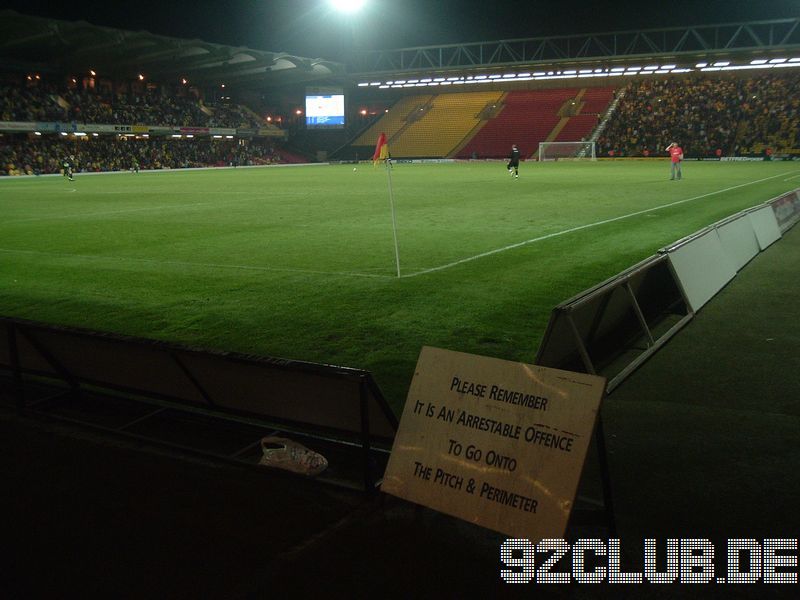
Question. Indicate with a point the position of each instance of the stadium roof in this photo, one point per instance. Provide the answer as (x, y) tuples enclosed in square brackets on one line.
[(48, 45), (713, 42)]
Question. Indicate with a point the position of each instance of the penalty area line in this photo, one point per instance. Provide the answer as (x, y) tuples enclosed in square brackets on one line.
[(581, 228)]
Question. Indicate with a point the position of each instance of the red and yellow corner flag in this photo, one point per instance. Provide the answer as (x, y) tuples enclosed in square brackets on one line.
[(381, 149)]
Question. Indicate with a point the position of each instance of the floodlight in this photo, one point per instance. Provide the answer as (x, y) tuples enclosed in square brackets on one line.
[(348, 6), (759, 61)]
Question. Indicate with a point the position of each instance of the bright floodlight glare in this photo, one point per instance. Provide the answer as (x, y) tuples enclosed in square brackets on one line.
[(347, 5)]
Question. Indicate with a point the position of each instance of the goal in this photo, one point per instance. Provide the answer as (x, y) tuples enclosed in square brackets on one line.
[(567, 150)]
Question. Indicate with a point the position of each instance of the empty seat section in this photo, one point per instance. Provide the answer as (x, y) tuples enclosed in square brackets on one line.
[(526, 119), (443, 124), (394, 120), (596, 100), (577, 128)]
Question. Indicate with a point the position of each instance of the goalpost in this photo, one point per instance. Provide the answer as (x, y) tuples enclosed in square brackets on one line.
[(565, 150)]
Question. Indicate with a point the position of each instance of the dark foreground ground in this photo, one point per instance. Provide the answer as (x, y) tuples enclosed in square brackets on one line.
[(704, 442)]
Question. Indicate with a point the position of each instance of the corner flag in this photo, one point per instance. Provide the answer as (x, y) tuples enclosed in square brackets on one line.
[(381, 149)]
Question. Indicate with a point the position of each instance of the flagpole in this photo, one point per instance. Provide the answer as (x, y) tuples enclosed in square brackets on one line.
[(394, 218)]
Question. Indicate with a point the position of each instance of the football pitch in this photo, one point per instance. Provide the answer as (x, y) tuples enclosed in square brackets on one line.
[(299, 262)]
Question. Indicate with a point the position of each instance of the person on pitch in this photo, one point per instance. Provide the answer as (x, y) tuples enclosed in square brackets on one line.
[(513, 161), (676, 155), (68, 166)]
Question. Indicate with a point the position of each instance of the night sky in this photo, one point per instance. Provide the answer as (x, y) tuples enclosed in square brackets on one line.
[(310, 28)]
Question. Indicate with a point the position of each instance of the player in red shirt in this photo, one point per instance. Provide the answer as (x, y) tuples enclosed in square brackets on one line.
[(676, 154)]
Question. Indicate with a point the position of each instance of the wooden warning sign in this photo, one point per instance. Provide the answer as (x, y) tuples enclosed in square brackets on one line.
[(497, 443)]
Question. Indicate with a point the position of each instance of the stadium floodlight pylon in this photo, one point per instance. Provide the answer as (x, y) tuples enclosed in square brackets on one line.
[(567, 150)]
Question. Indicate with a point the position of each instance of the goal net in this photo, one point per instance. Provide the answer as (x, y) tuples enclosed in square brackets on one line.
[(565, 150)]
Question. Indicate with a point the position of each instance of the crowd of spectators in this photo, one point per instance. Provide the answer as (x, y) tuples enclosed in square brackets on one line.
[(772, 116), (707, 116), (150, 108), (154, 107), (28, 104), (22, 155)]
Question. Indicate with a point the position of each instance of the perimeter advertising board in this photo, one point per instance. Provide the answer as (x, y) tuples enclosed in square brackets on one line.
[(496, 443)]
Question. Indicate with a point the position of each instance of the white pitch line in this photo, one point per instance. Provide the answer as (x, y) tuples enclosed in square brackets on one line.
[(792, 177), (178, 263), (580, 228)]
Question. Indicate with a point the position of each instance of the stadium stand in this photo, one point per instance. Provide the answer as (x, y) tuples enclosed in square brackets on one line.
[(596, 100), (771, 112), (577, 128), (161, 105), (712, 116), (394, 120), (444, 124), (527, 118), (708, 116), (22, 156), (28, 104), (593, 103), (39, 101)]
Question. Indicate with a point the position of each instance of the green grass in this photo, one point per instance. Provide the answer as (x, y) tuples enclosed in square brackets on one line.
[(299, 262)]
